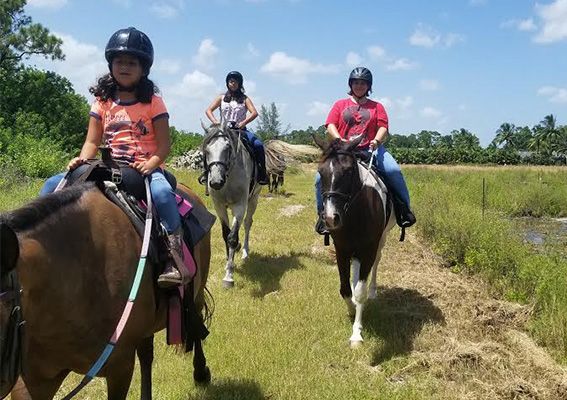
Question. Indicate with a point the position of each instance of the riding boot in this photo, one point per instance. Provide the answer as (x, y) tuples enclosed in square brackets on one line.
[(404, 216), (262, 174), (174, 273), (320, 227)]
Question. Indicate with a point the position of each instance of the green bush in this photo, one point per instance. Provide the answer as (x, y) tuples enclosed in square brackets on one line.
[(39, 158)]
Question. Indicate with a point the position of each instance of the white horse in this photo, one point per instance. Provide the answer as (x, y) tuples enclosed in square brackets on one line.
[(232, 185)]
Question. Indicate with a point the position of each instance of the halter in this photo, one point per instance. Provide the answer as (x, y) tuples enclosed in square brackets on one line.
[(228, 164), (353, 193)]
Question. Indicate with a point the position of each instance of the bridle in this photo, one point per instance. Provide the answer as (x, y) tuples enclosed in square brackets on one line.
[(229, 159), (355, 188)]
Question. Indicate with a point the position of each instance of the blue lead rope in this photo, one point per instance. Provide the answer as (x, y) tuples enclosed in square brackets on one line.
[(128, 307)]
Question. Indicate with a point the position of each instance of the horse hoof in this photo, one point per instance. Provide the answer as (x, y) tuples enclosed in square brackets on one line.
[(227, 284), (354, 344), (244, 254), (372, 294), (202, 377)]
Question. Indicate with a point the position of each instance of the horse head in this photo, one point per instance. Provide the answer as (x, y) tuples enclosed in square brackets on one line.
[(10, 311), (340, 180), (219, 150)]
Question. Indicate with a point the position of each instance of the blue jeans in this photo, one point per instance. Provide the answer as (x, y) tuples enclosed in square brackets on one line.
[(163, 197), (257, 145), (389, 170)]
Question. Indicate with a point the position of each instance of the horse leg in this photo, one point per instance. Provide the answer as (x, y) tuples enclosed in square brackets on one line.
[(372, 292), (233, 246), (252, 204), (145, 351), (38, 388), (343, 263), (201, 373), (119, 376), (360, 295)]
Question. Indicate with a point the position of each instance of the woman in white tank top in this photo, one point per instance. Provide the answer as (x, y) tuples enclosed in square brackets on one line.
[(238, 111)]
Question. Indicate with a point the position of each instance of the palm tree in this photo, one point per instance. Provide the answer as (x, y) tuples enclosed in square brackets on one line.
[(549, 134), (505, 134)]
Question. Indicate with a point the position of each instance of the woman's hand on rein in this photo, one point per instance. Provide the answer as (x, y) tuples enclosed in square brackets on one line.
[(75, 162), (143, 167)]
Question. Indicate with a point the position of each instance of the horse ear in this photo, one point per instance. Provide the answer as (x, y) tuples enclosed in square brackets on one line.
[(9, 249), (204, 127), (353, 144), (322, 143)]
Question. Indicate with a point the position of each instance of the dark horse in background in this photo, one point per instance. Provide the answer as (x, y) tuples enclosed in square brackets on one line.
[(75, 254), (358, 215)]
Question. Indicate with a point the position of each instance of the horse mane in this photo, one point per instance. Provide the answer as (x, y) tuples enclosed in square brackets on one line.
[(211, 133), (37, 211)]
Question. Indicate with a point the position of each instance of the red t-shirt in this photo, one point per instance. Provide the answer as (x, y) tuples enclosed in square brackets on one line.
[(352, 119)]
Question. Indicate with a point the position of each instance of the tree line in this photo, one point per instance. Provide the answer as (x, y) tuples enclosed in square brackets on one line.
[(43, 122)]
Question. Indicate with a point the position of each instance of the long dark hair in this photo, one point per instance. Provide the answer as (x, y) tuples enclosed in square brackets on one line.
[(106, 88), (237, 95)]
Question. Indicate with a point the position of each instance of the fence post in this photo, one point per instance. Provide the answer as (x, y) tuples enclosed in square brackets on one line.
[(483, 196)]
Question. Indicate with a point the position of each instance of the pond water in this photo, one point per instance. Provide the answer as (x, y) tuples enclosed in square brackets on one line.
[(544, 231)]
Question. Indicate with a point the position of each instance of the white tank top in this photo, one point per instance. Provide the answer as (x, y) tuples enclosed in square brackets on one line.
[(233, 111)]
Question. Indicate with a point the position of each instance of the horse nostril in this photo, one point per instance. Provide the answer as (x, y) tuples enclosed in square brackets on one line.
[(336, 219)]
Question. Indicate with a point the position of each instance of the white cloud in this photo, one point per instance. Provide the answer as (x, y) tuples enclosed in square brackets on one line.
[(168, 66), (425, 36), (376, 52), (167, 9), (83, 63), (47, 3), (353, 59), (401, 64), (252, 50), (206, 54), (317, 108), (429, 84), (554, 20), (405, 102), (525, 25), (294, 70), (386, 102), (430, 112), (554, 94), (195, 85)]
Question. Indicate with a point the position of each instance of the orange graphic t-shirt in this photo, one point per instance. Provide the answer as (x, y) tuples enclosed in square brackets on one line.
[(128, 127)]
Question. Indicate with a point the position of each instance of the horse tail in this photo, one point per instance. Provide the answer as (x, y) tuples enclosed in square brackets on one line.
[(208, 307)]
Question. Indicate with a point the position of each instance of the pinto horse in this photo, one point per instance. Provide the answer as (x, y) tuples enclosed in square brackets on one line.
[(75, 255), (232, 185), (358, 215)]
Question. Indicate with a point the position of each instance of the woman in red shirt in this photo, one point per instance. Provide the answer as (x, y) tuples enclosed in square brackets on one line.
[(355, 116)]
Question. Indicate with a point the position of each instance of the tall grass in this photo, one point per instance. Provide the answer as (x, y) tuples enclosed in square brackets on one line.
[(449, 203)]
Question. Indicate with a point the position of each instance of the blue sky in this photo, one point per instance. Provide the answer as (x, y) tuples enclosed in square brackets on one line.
[(437, 65)]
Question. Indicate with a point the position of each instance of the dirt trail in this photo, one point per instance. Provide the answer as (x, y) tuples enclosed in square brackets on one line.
[(470, 344)]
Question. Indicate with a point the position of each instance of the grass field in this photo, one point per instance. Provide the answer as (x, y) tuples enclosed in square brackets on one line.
[(282, 332)]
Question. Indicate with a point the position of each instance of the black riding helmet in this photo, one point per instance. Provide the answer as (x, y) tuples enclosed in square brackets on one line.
[(130, 41), (363, 74), (236, 76)]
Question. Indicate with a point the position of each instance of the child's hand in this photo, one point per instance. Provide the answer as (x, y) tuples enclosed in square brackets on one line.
[(143, 167), (75, 162)]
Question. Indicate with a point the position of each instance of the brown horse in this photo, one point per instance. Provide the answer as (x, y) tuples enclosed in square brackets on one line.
[(76, 254), (358, 215)]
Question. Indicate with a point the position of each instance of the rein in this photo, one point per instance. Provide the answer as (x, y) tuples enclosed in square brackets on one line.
[(130, 303)]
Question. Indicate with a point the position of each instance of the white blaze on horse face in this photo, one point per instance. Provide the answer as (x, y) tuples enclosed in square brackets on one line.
[(329, 207)]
